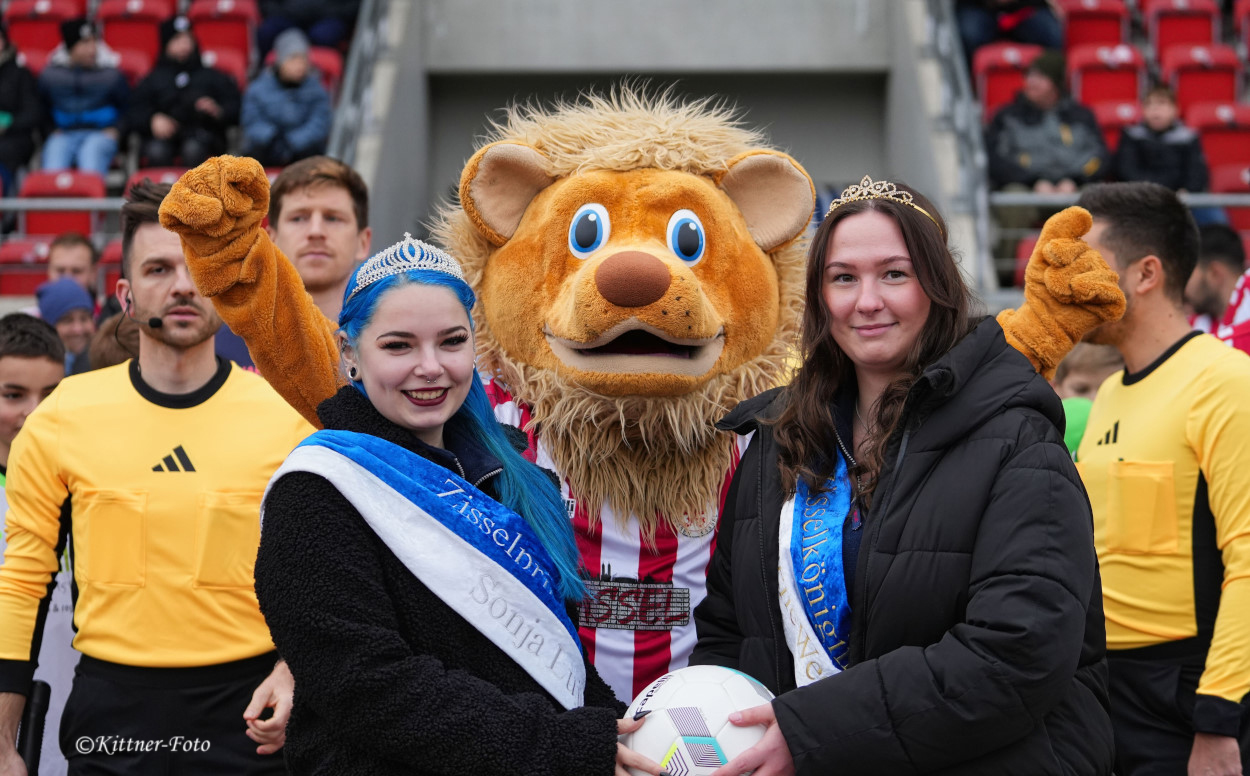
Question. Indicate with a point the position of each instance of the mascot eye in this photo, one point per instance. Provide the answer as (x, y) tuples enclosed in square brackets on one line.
[(589, 230), (685, 236)]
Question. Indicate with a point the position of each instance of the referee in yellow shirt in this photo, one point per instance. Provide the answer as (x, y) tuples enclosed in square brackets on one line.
[(1166, 461), (163, 460)]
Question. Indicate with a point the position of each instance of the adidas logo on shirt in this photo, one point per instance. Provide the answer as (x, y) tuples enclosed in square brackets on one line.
[(1112, 436), (172, 465)]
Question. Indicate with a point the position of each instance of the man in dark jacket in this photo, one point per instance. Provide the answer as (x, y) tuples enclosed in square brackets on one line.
[(977, 641), (183, 107), (1044, 139), (87, 95), (20, 113)]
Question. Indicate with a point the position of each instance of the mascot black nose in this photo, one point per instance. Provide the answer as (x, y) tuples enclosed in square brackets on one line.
[(632, 279)]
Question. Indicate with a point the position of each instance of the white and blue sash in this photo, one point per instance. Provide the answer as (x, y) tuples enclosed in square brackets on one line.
[(816, 615), (479, 557)]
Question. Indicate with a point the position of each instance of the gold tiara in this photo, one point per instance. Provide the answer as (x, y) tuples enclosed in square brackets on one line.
[(868, 189)]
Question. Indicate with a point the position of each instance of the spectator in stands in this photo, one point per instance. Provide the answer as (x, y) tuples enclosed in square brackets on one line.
[(319, 218), (20, 113), (325, 22), (1044, 139), (1023, 21), (286, 110), (1220, 271), (73, 256), (86, 94), (70, 309), (1161, 149), (182, 108)]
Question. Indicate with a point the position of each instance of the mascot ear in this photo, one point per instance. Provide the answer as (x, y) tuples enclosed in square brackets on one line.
[(774, 193), (498, 183)]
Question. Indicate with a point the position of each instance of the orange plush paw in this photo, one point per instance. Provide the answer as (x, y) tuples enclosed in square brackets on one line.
[(217, 201), (1068, 291)]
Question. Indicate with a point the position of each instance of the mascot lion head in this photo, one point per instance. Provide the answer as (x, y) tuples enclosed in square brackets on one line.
[(639, 268)]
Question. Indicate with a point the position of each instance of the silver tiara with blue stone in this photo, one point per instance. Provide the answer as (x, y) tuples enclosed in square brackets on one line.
[(408, 254)]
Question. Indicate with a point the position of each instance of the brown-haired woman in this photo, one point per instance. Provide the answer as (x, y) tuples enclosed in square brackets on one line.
[(906, 553)]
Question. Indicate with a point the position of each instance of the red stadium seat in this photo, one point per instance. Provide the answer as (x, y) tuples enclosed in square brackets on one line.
[(1181, 23), (134, 24), (225, 24), (61, 183), (1095, 22), (135, 64), (328, 61), (1024, 249), (1202, 74), (232, 63), (21, 281), (1233, 179), (154, 174), (35, 25), (998, 71), (1106, 73), (24, 252), (1225, 131), (111, 265), (1113, 117)]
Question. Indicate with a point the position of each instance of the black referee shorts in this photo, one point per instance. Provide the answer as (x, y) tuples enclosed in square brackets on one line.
[(124, 720), (1152, 707)]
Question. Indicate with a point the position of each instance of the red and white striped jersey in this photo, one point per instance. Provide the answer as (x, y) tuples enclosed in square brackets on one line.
[(637, 622), (1234, 315)]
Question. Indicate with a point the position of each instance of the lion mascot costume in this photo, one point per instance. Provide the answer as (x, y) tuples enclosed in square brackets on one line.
[(639, 263)]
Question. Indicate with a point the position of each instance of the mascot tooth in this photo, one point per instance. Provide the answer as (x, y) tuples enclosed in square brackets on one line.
[(638, 263)]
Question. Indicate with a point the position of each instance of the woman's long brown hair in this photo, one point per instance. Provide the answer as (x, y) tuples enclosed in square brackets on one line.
[(805, 428)]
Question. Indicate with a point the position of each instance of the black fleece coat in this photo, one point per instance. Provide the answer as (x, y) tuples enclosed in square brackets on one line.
[(388, 678), (977, 642)]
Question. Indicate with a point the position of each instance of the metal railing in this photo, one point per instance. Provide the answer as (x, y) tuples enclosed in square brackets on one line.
[(963, 111), (354, 111)]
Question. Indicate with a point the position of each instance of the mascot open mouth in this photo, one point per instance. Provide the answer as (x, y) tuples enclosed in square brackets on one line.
[(634, 347)]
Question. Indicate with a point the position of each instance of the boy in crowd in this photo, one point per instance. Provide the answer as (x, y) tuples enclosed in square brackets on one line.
[(31, 365), (69, 308)]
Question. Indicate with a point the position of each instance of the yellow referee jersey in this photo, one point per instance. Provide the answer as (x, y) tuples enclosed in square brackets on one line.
[(164, 496), (1166, 461)]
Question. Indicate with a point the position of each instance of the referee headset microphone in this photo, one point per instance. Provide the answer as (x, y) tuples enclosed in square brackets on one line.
[(154, 322)]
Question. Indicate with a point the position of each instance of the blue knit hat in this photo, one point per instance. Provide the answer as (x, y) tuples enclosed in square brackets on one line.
[(59, 297)]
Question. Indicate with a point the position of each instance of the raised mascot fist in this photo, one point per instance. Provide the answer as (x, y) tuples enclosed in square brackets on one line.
[(1068, 291), (217, 209)]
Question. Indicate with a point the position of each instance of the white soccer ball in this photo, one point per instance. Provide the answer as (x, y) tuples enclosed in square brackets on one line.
[(688, 730)]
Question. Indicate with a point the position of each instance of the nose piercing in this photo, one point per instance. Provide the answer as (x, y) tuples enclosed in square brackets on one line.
[(429, 379)]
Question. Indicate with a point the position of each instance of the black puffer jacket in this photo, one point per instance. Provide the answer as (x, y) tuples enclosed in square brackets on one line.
[(388, 678), (977, 639), (173, 87)]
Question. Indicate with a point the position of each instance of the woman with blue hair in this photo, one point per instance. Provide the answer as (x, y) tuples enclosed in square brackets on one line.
[(416, 571)]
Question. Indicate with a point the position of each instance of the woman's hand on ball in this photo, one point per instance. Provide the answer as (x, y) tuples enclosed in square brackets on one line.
[(627, 758), (770, 757)]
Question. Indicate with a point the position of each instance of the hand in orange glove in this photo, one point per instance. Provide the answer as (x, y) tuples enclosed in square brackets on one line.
[(1068, 291), (217, 210)]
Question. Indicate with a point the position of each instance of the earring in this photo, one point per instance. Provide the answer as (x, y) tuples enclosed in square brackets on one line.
[(353, 374)]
